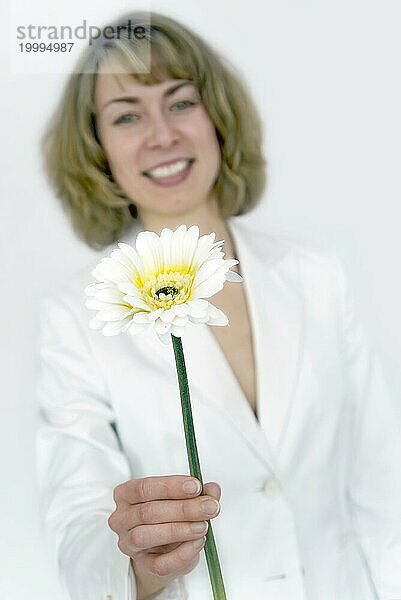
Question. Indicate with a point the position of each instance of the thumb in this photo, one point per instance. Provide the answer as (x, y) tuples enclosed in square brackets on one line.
[(212, 489)]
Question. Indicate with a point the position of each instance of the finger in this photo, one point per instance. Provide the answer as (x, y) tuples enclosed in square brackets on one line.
[(146, 489), (168, 511), (212, 489), (179, 561), (163, 549), (145, 537)]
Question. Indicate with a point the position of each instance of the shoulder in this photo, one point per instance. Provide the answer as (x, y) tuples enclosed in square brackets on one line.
[(63, 308), (286, 250), (70, 296), (306, 268)]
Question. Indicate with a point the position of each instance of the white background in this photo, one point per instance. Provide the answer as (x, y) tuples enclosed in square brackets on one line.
[(326, 78)]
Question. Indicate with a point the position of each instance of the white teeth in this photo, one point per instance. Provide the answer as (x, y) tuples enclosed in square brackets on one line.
[(168, 170)]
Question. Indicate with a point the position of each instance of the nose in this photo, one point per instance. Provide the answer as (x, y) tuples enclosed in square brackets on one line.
[(161, 132)]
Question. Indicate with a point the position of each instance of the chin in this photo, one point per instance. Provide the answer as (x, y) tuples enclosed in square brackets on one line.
[(178, 204)]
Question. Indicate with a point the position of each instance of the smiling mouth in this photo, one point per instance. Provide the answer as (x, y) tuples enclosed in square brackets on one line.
[(169, 170)]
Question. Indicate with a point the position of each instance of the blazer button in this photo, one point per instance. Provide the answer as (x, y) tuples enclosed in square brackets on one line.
[(271, 488)]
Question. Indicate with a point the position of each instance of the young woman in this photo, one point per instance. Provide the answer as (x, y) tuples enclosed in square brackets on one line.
[(291, 410)]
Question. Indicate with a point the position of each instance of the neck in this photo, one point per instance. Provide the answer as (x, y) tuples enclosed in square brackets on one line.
[(207, 217)]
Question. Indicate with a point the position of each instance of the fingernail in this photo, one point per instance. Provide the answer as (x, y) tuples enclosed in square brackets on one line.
[(210, 507), (192, 486), (199, 527)]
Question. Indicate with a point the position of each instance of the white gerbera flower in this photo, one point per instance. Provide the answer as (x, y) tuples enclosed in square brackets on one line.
[(162, 284)]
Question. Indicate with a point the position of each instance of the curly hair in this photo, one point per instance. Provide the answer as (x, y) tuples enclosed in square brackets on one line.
[(74, 158)]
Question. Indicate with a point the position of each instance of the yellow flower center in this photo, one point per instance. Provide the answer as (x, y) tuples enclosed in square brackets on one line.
[(165, 290)]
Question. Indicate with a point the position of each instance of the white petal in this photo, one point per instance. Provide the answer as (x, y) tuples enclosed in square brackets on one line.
[(111, 295), (113, 328), (177, 331), (203, 249), (161, 327), (141, 317), (190, 243), (136, 302), (197, 320), (94, 288), (167, 316), (114, 312), (166, 234), (233, 276), (230, 262), (149, 249), (177, 244), (216, 316), (127, 287), (126, 325), (164, 337), (136, 328), (94, 304), (109, 270), (155, 314), (180, 321), (124, 263), (180, 231), (208, 269), (90, 289), (209, 288), (181, 310), (165, 242), (96, 324), (197, 308), (103, 285), (132, 255), (215, 283)]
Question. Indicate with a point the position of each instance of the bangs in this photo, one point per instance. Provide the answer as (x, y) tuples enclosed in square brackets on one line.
[(151, 60)]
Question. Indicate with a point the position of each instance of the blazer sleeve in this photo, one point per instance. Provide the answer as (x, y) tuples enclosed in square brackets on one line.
[(374, 483), (79, 462)]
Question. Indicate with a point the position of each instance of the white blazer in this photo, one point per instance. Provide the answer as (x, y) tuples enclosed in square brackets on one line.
[(311, 493)]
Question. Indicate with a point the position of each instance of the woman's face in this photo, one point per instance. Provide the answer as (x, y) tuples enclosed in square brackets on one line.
[(160, 143)]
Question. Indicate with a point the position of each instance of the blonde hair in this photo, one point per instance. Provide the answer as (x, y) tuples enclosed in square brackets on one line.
[(76, 163)]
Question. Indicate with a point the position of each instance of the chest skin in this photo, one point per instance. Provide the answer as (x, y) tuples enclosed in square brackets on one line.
[(235, 339)]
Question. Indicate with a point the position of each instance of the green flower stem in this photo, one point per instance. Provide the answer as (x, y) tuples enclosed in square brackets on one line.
[(212, 558)]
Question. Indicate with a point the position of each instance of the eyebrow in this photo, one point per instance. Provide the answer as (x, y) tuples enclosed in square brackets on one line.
[(134, 100)]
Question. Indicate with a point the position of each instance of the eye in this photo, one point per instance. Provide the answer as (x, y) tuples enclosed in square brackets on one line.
[(126, 118), (182, 104)]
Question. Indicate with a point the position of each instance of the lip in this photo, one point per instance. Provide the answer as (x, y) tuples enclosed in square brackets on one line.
[(167, 162)]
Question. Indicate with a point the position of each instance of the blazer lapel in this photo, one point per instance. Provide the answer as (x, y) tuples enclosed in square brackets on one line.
[(272, 287), (275, 312)]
